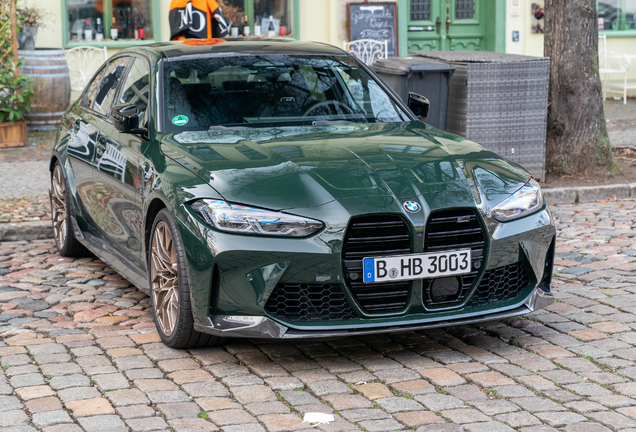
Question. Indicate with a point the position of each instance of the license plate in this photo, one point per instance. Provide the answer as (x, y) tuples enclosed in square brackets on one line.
[(416, 266)]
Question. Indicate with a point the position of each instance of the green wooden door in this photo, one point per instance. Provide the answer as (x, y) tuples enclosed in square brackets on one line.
[(449, 25)]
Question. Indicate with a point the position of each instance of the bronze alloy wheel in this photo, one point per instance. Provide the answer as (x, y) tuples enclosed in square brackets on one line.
[(58, 204), (165, 279)]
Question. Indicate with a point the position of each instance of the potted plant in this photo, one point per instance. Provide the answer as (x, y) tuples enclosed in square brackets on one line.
[(29, 20), (16, 94)]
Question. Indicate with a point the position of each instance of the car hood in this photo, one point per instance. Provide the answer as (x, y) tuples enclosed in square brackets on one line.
[(294, 167)]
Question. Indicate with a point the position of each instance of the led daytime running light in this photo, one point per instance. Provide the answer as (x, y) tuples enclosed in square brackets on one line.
[(525, 201), (240, 219)]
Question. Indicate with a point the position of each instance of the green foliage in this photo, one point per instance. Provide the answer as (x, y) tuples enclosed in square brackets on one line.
[(16, 95)]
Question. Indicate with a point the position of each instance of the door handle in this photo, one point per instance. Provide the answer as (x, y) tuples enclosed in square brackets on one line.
[(438, 24), (448, 23)]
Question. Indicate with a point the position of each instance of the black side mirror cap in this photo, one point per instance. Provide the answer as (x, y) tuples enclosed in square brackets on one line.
[(126, 119), (419, 105)]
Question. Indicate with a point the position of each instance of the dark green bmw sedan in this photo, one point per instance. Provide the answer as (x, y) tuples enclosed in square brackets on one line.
[(278, 189)]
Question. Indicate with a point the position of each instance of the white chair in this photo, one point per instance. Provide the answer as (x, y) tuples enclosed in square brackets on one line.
[(82, 63), (368, 50), (611, 64), (114, 162)]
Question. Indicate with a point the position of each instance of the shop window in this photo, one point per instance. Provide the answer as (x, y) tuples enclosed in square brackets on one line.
[(108, 21), (259, 18), (616, 15)]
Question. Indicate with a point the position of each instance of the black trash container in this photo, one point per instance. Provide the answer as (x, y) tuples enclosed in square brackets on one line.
[(419, 75)]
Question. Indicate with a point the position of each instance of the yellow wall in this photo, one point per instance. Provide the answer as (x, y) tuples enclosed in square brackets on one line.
[(529, 43), (51, 35), (324, 21), (532, 44)]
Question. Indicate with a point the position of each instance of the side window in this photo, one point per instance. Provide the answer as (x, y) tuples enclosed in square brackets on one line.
[(92, 89), (108, 87), (136, 89)]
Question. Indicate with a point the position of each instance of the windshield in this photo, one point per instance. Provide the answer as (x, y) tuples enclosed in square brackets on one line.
[(260, 91)]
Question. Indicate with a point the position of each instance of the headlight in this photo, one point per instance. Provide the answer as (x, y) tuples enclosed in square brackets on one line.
[(525, 201), (238, 219)]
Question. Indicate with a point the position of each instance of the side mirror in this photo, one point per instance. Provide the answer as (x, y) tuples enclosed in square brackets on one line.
[(125, 118), (419, 105)]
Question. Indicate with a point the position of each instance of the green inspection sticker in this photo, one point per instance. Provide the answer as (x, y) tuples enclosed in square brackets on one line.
[(180, 120)]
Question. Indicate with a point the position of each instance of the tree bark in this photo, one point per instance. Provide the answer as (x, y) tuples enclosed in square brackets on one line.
[(577, 134)]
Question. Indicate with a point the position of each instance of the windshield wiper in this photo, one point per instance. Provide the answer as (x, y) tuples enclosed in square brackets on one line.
[(331, 122), (223, 128)]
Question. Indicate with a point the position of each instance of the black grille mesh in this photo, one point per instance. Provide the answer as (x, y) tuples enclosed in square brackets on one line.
[(309, 302), (500, 284), (452, 230), (376, 236)]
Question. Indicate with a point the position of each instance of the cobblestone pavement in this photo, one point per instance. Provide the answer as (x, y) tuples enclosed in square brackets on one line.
[(25, 209), (79, 352), (24, 170)]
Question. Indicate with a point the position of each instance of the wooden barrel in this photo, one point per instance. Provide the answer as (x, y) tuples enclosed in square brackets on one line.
[(49, 70)]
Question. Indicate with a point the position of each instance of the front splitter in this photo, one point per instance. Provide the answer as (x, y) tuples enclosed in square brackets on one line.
[(259, 327)]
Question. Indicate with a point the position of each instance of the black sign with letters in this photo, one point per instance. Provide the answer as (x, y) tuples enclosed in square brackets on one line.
[(374, 20)]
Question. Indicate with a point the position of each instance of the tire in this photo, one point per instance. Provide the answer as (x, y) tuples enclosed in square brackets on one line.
[(169, 288), (61, 214)]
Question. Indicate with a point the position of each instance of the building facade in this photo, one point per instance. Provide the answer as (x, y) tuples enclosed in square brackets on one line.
[(512, 26)]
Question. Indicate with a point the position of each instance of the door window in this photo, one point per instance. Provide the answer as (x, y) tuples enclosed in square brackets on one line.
[(108, 86), (136, 89), (92, 89), (464, 9), (420, 10)]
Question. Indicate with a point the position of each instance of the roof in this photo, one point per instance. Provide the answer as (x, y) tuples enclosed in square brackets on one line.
[(176, 49)]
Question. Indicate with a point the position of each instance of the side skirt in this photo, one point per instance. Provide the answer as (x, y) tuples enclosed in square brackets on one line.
[(120, 264)]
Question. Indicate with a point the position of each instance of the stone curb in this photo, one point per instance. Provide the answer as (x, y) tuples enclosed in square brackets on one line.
[(26, 231), (585, 194)]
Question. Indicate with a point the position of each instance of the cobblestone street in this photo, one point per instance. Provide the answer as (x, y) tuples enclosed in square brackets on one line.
[(79, 352)]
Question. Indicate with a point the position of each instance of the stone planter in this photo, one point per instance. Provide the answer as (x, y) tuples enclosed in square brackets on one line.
[(13, 134)]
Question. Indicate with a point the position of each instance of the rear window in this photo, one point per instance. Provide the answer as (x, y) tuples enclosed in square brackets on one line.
[(260, 91)]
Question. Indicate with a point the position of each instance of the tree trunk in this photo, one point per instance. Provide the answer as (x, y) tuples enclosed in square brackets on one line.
[(577, 134)]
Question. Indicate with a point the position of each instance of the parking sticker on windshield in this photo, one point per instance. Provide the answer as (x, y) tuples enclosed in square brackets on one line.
[(180, 120)]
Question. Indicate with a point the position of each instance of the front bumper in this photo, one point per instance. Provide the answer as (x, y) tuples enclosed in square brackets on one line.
[(266, 328), (231, 286)]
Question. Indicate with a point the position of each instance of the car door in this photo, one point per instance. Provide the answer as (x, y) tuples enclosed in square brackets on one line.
[(81, 148), (118, 172)]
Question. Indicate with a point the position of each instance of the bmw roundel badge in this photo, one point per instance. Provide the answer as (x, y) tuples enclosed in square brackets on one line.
[(412, 207)]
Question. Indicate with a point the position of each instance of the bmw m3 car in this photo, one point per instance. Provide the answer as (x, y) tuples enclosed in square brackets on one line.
[(279, 189)]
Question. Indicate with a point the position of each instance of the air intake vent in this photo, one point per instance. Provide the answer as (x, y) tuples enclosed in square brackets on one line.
[(375, 236), (309, 302), (500, 284), (452, 230)]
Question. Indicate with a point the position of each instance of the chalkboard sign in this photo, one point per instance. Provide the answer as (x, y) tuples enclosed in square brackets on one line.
[(377, 21)]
